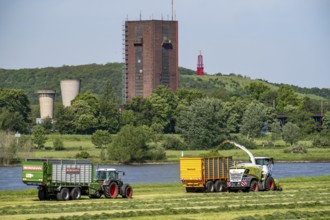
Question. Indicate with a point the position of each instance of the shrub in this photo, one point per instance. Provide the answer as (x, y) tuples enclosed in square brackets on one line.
[(321, 141), (295, 149), (173, 143), (83, 155), (58, 144), (156, 153)]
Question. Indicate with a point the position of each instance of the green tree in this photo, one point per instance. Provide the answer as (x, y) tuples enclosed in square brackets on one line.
[(286, 97), (130, 144), (38, 136), (326, 121), (58, 144), (109, 111), (253, 119), (203, 124), (258, 90), (85, 120), (163, 104), (276, 131), (142, 110), (291, 133), (64, 120), (101, 138)]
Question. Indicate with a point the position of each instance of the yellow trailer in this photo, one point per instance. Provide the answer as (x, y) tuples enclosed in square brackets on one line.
[(205, 174)]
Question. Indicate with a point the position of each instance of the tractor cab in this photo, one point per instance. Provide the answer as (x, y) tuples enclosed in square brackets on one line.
[(266, 163), (106, 174)]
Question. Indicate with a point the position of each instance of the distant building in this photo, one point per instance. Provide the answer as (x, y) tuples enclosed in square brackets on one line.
[(151, 56)]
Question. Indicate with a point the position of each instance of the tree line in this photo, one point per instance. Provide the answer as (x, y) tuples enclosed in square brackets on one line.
[(143, 128)]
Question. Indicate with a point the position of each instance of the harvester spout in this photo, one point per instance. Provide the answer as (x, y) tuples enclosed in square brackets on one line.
[(253, 161)]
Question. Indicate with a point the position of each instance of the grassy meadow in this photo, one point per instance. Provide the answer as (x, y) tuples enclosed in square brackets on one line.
[(75, 144), (301, 198)]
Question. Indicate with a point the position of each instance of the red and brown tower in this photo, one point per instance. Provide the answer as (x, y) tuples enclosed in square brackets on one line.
[(151, 57), (200, 66)]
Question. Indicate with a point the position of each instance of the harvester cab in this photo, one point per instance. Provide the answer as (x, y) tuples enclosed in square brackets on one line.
[(267, 164)]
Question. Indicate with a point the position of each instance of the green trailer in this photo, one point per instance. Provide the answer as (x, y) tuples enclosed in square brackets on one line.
[(69, 179)]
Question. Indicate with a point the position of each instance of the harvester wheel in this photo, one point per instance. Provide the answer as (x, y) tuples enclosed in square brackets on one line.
[(270, 183), (75, 193), (127, 191), (63, 194), (111, 191), (219, 186), (209, 187), (254, 186)]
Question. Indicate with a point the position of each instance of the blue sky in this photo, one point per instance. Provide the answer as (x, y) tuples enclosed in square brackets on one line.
[(282, 41)]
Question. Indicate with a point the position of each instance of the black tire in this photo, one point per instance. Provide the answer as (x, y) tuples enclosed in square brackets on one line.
[(63, 194), (42, 194), (127, 191), (270, 184), (75, 193), (254, 186), (111, 191), (209, 187), (219, 186)]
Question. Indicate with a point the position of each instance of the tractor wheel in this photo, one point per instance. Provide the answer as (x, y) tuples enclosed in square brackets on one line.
[(219, 186), (254, 186), (270, 183), (127, 191), (209, 187), (111, 191), (75, 193), (63, 194)]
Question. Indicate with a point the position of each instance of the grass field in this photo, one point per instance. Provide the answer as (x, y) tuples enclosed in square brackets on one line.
[(301, 198), (74, 144)]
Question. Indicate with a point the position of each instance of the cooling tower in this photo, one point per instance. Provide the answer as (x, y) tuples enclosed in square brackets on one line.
[(69, 90), (46, 101)]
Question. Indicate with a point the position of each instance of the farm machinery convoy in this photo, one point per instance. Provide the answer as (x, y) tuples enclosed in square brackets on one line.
[(69, 179), (218, 174)]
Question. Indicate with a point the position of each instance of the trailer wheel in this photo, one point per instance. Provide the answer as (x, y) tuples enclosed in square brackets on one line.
[(219, 186), (127, 191), (270, 183), (63, 194), (42, 194), (111, 191), (254, 186), (209, 187), (75, 193)]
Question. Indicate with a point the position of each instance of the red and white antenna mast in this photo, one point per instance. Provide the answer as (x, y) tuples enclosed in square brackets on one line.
[(200, 67)]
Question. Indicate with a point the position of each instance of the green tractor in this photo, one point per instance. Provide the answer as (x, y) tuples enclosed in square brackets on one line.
[(107, 182)]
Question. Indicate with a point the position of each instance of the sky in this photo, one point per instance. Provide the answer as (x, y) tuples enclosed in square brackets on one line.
[(281, 41)]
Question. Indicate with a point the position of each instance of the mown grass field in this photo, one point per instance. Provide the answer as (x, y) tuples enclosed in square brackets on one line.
[(301, 198)]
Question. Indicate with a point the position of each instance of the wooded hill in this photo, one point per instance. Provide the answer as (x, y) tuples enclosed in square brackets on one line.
[(94, 76)]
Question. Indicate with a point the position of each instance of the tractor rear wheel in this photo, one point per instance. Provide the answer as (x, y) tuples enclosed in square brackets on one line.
[(111, 191), (254, 186), (270, 183), (127, 191), (75, 193), (209, 187)]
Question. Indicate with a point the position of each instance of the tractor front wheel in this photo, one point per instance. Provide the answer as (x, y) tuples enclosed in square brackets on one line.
[(270, 183), (127, 191), (254, 186)]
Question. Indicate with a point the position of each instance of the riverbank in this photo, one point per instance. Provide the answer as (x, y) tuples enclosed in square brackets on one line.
[(303, 197)]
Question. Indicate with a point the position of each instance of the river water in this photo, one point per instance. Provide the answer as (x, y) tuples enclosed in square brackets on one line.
[(11, 177)]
